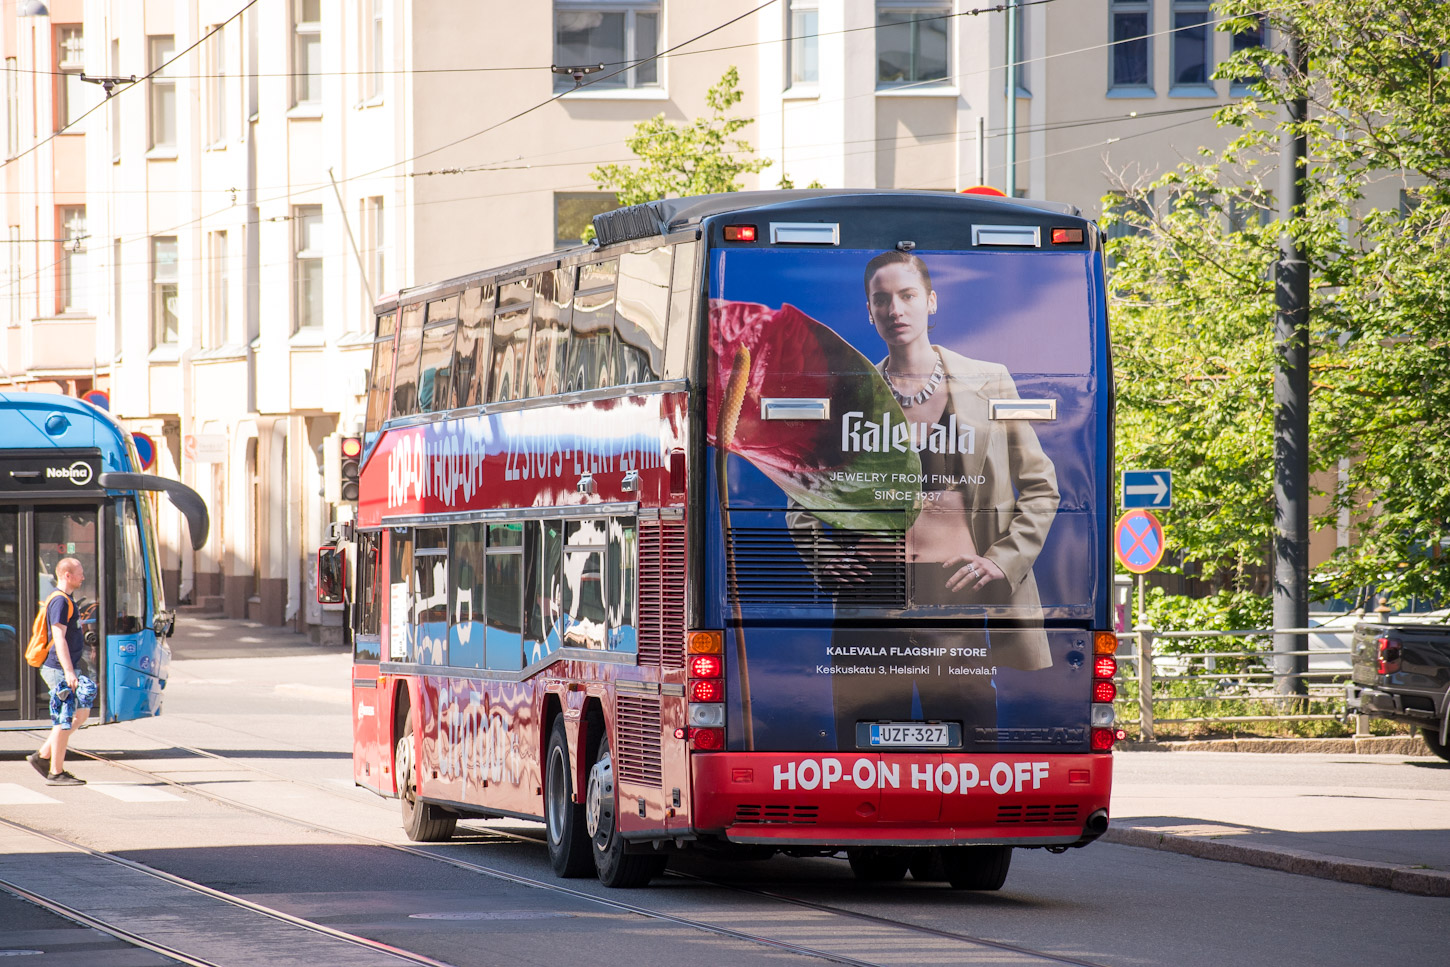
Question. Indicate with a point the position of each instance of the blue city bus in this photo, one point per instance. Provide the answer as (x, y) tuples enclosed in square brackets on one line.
[(71, 486)]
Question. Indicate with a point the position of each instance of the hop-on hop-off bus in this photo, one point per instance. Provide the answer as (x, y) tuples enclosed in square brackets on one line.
[(71, 486), (771, 521)]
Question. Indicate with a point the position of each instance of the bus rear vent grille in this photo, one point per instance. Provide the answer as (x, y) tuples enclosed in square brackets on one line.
[(760, 815), (637, 727), (854, 568), (662, 593), (1038, 814)]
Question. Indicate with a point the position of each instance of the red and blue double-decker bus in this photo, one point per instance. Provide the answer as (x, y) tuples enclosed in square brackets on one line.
[(771, 520)]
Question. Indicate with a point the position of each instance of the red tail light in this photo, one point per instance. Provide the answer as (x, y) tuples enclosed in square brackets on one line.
[(1390, 653), (1104, 691), (707, 690), (1105, 666), (708, 740), (739, 233), (706, 666), (1103, 739)]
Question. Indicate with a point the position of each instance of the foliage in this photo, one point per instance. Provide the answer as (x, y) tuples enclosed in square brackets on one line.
[(1193, 303), (676, 160)]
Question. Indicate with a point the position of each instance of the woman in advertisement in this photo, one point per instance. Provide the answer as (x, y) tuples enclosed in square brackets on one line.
[(988, 495)]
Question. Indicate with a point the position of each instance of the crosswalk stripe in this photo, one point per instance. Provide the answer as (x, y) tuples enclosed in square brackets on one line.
[(14, 794), (130, 792)]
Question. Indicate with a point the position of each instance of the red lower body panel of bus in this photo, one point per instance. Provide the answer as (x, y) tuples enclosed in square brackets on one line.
[(902, 799)]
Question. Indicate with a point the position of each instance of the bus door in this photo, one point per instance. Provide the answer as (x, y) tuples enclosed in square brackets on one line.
[(364, 616), (33, 540)]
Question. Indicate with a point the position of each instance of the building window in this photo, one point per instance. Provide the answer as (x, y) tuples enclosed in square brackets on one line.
[(72, 260), (165, 308), (803, 23), (1192, 43), (307, 52), (615, 34), (1129, 60), (912, 42), (115, 112), (163, 92), (370, 28), (372, 242), (1139, 207), (218, 290), (574, 211), (307, 267), (1248, 210), (1247, 40), (12, 107), (218, 87), (72, 97), (13, 280)]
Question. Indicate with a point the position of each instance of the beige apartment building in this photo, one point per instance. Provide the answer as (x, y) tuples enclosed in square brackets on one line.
[(204, 245)]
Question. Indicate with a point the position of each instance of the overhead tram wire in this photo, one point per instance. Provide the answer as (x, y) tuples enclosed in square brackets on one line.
[(129, 87)]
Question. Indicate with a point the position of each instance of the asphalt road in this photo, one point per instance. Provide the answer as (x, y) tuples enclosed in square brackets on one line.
[(278, 712)]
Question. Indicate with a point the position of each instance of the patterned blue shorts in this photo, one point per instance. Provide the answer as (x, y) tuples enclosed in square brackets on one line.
[(64, 702)]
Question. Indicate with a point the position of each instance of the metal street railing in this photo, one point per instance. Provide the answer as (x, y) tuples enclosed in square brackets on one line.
[(1246, 676)]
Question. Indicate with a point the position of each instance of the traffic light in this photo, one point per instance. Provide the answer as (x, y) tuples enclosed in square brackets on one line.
[(350, 465)]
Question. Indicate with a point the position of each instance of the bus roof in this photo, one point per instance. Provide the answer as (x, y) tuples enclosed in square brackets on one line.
[(670, 215), (49, 421)]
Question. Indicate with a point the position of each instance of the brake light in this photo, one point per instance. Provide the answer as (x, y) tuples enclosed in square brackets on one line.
[(708, 740), (1103, 739), (707, 690), (706, 666), (1067, 236), (739, 233), (1390, 654), (1104, 690), (1105, 666)]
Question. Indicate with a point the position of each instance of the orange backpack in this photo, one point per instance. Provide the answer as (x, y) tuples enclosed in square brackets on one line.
[(39, 647)]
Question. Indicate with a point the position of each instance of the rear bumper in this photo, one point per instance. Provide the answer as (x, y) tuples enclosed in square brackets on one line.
[(1379, 703), (851, 799)]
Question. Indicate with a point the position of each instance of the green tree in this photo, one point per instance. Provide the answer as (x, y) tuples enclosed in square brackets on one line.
[(676, 160), (1193, 304)]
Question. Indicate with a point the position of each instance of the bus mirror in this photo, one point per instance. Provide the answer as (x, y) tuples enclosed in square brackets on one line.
[(164, 623), (330, 561)]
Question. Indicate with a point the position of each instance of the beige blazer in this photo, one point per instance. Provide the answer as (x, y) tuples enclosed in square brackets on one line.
[(1011, 501)]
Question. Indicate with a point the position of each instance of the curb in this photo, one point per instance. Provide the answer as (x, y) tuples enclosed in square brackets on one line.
[(1368, 745), (1402, 879)]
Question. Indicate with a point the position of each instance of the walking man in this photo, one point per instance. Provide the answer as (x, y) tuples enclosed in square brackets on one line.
[(72, 692)]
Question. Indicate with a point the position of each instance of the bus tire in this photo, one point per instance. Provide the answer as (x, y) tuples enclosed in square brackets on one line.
[(977, 867), (877, 864), (423, 823), (563, 819), (615, 866)]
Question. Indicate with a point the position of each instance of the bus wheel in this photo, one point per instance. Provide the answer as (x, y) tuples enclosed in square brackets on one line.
[(876, 864), (568, 840), (977, 867), (423, 823), (615, 867)]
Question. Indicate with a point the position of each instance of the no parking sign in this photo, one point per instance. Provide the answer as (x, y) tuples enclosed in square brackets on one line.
[(1138, 541)]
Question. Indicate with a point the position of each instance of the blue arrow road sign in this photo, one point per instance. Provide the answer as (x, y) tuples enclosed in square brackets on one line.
[(1147, 488)]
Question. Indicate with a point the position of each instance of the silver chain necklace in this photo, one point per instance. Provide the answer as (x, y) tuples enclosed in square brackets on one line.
[(921, 395)]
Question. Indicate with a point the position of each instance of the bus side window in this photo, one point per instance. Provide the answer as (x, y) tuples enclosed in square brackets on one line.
[(128, 572), (466, 597), (591, 345), (552, 598), (405, 381), (643, 303), (400, 595), (369, 599), (474, 347), (430, 595), (534, 604), (435, 386), (553, 308), (505, 596), (380, 387), (621, 580), (511, 325), (682, 312), (585, 614)]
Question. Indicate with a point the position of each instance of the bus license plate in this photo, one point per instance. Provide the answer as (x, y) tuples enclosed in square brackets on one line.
[(914, 734)]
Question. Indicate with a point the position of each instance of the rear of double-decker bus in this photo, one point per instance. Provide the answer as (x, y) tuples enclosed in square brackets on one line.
[(69, 489), (906, 524)]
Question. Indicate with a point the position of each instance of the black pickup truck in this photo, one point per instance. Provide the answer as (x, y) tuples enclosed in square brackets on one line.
[(1402, 673)]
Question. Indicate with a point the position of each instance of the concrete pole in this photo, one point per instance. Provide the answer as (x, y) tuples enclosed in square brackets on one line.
[(1012, 26)]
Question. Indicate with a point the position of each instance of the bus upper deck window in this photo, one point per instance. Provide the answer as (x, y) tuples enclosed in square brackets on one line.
[(405, 378), (473, 347)]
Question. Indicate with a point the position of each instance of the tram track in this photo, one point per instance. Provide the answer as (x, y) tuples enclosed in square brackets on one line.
[(959, 940)]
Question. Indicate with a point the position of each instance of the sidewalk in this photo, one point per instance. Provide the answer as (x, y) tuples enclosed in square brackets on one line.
[(1316, 807)]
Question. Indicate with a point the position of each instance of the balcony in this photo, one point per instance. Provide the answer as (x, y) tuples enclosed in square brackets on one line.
[(52, 344)]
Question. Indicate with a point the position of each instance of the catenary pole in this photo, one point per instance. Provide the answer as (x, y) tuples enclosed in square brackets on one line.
[(1291, 397), (1012, 27)]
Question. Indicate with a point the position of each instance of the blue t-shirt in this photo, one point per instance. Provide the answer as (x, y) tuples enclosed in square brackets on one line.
[(55, 614)]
